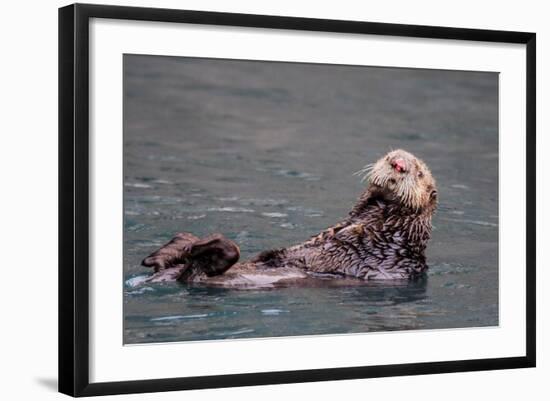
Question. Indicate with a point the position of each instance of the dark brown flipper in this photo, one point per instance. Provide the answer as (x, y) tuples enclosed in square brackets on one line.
[(172, 253), (187, 257), (210, 256)]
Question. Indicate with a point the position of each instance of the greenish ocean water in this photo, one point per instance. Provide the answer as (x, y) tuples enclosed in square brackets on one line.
[(264, 153)]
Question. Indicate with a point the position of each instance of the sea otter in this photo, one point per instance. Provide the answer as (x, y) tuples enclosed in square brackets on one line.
[(384, 237)]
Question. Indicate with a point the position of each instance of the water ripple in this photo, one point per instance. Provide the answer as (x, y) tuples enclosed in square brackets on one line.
[(179, 317)]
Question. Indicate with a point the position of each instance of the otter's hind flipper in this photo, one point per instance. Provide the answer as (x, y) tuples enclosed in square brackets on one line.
[(171, 254), (210, 256)]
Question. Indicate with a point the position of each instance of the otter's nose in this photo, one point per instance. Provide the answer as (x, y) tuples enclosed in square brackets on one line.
[(399, 165)]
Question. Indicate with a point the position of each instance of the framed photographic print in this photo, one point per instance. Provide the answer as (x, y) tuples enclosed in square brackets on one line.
[(280, 199)]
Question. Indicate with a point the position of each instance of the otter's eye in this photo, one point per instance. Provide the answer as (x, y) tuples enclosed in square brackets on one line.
[(420, 174), (433, 194)]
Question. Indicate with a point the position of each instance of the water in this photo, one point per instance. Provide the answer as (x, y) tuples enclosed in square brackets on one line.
[(264, 153)]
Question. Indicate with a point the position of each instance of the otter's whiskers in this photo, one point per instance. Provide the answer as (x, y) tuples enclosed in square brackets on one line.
[(365, 172), (409, 192)]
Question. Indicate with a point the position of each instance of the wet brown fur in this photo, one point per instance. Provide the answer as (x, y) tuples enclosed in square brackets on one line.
[(384, 237)]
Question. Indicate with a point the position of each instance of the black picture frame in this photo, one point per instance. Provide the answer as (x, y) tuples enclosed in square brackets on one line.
[(74, 200)]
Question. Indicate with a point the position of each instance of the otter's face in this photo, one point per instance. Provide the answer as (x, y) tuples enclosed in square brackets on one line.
[(405, 178)]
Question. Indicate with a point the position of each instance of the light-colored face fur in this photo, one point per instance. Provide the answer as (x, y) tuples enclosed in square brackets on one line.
[(405, 177)]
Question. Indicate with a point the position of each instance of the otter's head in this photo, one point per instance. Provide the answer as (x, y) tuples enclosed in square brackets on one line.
[(402, 177)]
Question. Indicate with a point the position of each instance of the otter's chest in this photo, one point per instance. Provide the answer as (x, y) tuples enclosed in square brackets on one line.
[(367, 251)]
